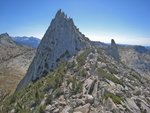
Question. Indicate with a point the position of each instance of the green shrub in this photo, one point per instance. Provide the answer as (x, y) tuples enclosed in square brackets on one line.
[(35, 92), (116, 99), (82, 72), (136, 76), (13, 99), (40, 109), (82, 57), (112, 70), (109, 76), (49, 99), (57, 93), (76, 85), (71, 65)]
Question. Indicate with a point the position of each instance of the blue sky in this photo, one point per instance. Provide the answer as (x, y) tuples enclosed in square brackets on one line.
[(126, 21)]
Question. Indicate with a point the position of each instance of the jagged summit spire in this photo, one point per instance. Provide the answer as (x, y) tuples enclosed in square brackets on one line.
[(113, 50), (112, 41), (61, 41), (60, 14)]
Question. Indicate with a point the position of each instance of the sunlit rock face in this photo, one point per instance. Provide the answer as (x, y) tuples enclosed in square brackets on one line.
[(61, 41)]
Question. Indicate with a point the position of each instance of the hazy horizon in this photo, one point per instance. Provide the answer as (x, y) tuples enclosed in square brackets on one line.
[(128, 22)]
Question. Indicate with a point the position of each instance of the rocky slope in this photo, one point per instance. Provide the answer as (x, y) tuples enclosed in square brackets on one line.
[(137, 58), (91, 82), (62, 40), (75, 76), (14, 62)]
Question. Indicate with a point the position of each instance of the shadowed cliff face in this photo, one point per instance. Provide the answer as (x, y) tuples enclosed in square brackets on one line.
[(61, 41)]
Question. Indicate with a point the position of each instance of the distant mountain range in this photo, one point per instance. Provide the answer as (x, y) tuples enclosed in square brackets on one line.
[(27, 41), (148, 47), (34, 42)]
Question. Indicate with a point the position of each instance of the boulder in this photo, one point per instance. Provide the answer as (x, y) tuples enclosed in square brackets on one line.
[(56, 110), (12, 111), (87, 84), (67, 109), (79, 102), (110, 105), (48, 108), (89, 99), (145, 107), (131, 105), (82, 109), (77, 112)]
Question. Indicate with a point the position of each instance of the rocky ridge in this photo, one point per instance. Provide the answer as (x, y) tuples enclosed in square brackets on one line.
[(91, 82), (137, 58), (83, 80)]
